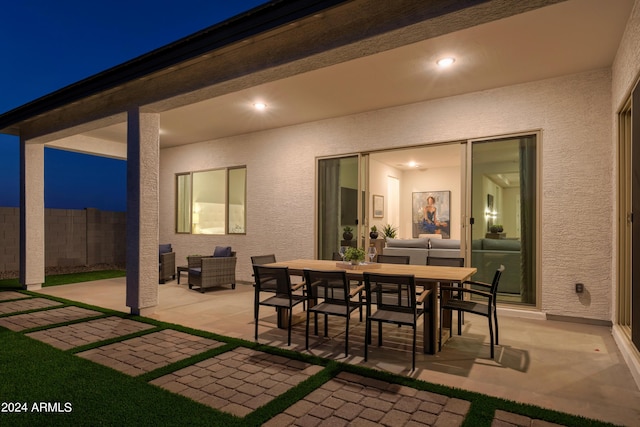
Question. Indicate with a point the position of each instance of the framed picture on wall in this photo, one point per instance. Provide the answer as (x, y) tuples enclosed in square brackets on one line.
[(378, 206), (431, 213)]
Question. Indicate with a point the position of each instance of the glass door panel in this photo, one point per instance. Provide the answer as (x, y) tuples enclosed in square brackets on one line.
[(338, 203), (503, 206)]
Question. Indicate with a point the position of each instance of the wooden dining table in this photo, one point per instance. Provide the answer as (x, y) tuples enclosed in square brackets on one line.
[(426, 276)]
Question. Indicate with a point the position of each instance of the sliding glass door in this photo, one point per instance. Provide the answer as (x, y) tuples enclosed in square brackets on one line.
[(503, 208), (340, 203)]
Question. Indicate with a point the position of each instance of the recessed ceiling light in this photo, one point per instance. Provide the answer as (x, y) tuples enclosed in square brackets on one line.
[(413, 164), (260, 106), (445, 62)]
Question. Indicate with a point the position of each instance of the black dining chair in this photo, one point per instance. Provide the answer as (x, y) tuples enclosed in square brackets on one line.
[(329, 294), (271, 258), (263, 259), (276, 282), (450, 262), (394, 297), (337, 257), (393, 259), (482, 302)]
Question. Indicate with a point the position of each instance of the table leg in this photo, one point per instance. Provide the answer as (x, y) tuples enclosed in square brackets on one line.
[(446, 314), (180, 270), (283, 318), (430, 323)]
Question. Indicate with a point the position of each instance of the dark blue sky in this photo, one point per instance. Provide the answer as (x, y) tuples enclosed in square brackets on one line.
[(46, 45)]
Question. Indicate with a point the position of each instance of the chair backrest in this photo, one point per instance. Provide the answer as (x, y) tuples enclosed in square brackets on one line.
[(336, 257), (445, 261), (496, 280), (393, 259), (263, 259), (331, 286), (273, 279), (391, 292)]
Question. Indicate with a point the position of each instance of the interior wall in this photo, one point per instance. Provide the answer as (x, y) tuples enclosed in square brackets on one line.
[(573, 112), (437, 179), (378, 174)]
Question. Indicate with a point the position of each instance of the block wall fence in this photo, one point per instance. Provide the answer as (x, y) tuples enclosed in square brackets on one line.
[(72, 238)]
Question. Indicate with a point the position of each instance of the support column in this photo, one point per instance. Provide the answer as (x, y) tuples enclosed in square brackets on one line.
[(142, 211), (31, 215)]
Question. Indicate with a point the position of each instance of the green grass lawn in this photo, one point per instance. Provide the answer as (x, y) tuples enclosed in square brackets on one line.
[(65, 279), (87, 394), (52, 387)]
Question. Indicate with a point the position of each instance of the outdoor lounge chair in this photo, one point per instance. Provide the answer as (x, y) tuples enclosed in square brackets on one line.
[(167, 263), (213, 271)]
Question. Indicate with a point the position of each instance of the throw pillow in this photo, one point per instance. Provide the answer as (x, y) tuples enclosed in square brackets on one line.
[(163, 249), (222, 251)]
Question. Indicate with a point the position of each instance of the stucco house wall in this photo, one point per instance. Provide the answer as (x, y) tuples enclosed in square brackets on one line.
[(626, 66), (573, 114)]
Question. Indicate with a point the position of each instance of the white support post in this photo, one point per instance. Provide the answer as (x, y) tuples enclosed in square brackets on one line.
[(31, 215), (142, 211)]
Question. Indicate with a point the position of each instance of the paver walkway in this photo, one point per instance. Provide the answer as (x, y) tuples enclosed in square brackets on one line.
[(36, 319), (138, 355), (350, 399), (239, 380), (79, 334)]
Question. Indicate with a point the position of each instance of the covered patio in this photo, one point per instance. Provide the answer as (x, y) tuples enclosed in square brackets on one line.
[(345, 77), (569, 367)]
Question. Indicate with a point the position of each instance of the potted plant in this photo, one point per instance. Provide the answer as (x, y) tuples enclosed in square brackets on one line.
[(347, 233), (354, 255), (496, 228), (389, 231), (374, 232)]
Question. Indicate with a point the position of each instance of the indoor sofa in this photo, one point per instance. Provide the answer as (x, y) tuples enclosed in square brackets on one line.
[(487, 256), (419, 249)]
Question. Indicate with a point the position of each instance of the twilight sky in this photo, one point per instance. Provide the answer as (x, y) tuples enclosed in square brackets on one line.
[(46, 45)]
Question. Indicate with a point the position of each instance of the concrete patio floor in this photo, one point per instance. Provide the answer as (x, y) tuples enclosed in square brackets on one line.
[(569, 367)]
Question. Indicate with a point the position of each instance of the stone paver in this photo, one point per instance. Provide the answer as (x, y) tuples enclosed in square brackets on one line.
[(507, 419), (138, 355), (66, 337), (26, 304), (356, 400), (238, 381), (9, 295), (20, 322)]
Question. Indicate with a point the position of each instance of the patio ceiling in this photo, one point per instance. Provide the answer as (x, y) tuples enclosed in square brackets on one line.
[(565, 38)]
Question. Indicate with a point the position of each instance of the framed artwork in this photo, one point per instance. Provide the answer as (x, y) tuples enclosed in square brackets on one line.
[(431, 213), (378, 206)]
